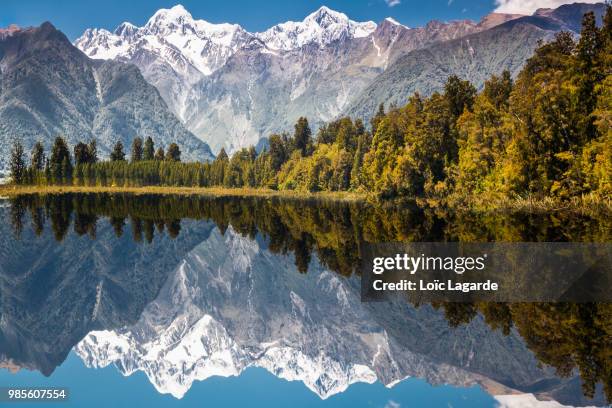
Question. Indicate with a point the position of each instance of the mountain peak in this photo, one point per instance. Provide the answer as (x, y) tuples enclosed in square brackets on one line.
[(321, 27), (10, 30), (325, 16), (392, 21), (125, 29), (494, 19), (175, 13)]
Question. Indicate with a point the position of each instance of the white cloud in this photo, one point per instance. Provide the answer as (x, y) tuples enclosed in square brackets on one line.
[(450, 2), (392, 3), (530, 6), (392, 404)]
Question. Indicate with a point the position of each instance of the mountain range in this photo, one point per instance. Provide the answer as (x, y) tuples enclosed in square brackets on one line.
[(231, 87), (184, 80), (49, 88)]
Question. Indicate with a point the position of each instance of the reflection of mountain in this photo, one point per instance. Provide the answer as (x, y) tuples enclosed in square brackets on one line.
[(52, 294), (232, 304)]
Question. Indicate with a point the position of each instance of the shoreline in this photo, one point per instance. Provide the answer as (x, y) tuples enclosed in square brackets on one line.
[(583, 205), (7, 190)]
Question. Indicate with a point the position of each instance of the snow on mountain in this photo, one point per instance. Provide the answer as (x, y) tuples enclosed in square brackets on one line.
[(231, 88), (171, 34), (395, 22), (322, 27), (207, 46), (233, 304)]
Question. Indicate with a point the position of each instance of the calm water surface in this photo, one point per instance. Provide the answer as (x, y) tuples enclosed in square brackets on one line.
[(164, 301)]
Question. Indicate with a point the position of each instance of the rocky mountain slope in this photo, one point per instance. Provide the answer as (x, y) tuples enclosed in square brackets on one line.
[(232, 304), (231, 87), (475, 57), (49, 88)]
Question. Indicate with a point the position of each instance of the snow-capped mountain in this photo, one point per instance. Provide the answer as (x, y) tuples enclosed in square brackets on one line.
[(171, 34), (232, 304), (221, 80), (322, 27), (231, 87)]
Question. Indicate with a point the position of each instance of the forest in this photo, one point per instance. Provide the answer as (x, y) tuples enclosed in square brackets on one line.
[(545, 133)]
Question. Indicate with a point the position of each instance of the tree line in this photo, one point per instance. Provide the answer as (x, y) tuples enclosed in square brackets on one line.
[(545, 133)]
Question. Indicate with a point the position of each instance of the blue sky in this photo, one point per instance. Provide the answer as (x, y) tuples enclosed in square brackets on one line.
[(254, 388), (74, 16)]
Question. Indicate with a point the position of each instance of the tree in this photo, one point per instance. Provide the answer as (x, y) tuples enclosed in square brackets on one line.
[(587, 51), (173, 153), (459, 95), (498, 89), (38, 159), (149, 149), (375, 121), (589, 43), (302, 136), (17, 164), (60, 162), (117, 154), (93, 151), (81, 154), (160, 155), (137, 151), (219, 168), (277, 152)]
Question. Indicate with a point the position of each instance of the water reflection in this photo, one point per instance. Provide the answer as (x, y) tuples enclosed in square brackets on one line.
[(184, 288)]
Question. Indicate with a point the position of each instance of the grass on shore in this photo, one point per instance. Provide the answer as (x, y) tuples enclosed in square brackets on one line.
[(9, 190), (588, 204)]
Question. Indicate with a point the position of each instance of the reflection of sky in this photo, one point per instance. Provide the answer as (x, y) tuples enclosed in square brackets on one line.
[(254, 388)]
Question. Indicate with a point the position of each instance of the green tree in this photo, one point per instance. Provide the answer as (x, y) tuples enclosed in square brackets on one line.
[(137, 151), (375, 121), (17, 164), (459, 95), (149, 149), (37, 161), (277, 152), (81, 154), (117, 154), (159, 154), (93, 151), (60, 161), (302, 136), (173, 153)]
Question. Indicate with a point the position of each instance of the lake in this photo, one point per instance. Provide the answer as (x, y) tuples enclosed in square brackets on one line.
[(193, 301)]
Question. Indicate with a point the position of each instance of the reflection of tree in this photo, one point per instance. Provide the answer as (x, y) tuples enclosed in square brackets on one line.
[(38, 220), (117, 223), (301, 249), (566, 336), (333, 230), (149, 230), (17, 213), (173, 227), (136, 224)]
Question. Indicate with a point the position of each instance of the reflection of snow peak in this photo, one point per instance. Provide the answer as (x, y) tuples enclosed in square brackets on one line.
[(175, 343), (232, 304)]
